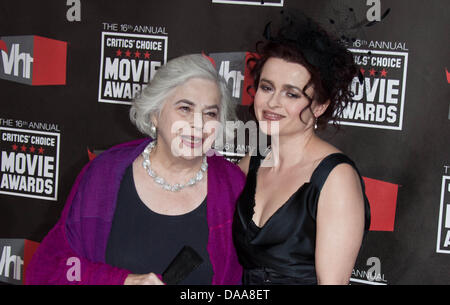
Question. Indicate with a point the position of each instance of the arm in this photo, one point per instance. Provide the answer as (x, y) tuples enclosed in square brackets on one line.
[(55, 262), (340, 226), (62, 257)]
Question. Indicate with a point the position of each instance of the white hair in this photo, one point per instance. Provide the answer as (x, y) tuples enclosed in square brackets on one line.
[(171, 75)]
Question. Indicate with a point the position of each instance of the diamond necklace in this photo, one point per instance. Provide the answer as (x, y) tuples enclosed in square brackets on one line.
[(160, 181)]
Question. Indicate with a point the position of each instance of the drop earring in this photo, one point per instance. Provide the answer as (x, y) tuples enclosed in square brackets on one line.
[(153, 131)]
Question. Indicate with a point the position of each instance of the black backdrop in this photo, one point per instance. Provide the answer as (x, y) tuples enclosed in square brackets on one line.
[(408, 154)]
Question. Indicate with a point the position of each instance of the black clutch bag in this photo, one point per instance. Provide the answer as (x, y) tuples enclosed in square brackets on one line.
[(184, 263)]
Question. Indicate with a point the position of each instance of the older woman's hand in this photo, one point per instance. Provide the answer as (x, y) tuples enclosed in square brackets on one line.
[(143, 279)]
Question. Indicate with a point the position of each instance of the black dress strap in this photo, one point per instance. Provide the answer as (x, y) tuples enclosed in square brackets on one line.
[(322, 171), (320, 174)]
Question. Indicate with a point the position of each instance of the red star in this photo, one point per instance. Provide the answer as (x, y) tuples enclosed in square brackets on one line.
[(40, 150), (118, 53), (383, 72), (147, 55), (32, 149), (23, 148), (137, 54), (372, 72), (128, 53), (15, 147), (362, 71)]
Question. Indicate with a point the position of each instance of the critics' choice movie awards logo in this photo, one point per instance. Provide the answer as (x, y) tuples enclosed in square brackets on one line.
[(443, 238), (379, 99), (29, 163), (33, 60), (251, 2), (128, 63)]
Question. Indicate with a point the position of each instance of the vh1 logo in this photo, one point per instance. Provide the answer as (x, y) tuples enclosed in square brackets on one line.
[(33, 60), (15, 254), (233, 67)]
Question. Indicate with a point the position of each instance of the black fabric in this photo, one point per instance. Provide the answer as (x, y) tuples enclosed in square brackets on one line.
[(283, 250), (143, 241)]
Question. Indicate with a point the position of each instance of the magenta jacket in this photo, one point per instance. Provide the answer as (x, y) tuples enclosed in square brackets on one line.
[(83, 229)]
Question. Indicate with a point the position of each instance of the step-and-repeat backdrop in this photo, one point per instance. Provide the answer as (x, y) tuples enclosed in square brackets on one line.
[(69, 69)]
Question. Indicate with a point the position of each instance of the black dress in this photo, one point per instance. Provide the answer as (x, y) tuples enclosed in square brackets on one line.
[(283, 250)]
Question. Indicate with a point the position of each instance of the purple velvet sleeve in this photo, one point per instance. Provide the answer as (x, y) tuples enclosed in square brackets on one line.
[(55, 262)]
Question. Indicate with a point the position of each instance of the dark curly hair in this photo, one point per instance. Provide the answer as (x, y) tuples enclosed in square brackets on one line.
[(331, 66)]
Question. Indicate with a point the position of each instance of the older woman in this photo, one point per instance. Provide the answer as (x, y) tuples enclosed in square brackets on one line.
[(302, 214), (136, 205)]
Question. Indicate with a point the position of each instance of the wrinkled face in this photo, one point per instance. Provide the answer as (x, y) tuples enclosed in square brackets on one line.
[(189, 118), (279, 98)]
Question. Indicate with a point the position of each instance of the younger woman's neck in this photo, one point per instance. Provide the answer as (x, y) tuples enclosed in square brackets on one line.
[(288, 151)]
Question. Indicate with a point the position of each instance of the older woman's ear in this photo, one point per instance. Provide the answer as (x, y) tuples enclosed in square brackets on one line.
[(154, 120)]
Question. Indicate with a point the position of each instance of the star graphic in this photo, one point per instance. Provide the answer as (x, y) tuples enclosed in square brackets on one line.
[(32, 149), (41, 150), (372, 72), (118, 53), (15, 147), (128, 53), (137, 54), (383, 72), (147, 55), (362, 71), (23, 148)]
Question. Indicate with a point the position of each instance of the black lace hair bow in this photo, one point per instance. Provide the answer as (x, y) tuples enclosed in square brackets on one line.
[(317, 47)]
